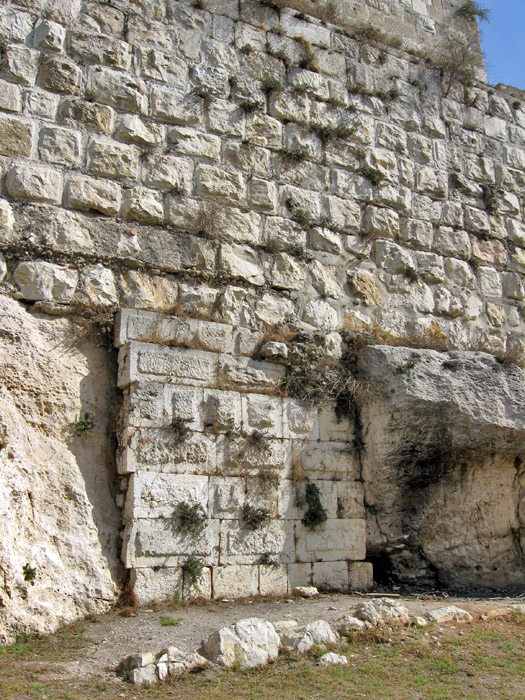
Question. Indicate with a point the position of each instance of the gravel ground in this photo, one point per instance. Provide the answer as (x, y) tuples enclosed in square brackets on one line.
[(111, 637)]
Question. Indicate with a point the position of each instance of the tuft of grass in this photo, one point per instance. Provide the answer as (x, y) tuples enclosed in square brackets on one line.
[(296, 154), (249, 106), (327, 133), (85, 424), (271, 84), (169, 621)]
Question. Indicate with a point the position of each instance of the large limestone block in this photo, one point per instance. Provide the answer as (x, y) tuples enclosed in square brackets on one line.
[(251, 642), (164, 451), (235, 581), (302, 639), (239, 545), (16, 136), (154, 495), (337, 539), (140, 361), (45, 281), (57, 512), (159, 542), (161, 583)]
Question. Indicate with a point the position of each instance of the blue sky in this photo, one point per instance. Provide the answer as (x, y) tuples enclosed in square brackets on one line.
[(504, 41)]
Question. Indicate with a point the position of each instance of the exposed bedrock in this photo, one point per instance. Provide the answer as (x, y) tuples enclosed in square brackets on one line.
[(58, 520), (444, 467)]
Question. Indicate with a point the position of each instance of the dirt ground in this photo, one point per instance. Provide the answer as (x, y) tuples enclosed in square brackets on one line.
[(111, 637)]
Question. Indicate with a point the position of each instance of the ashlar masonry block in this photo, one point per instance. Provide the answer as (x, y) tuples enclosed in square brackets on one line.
[(262, 413), (146, 361), (338, 539), (240, 545), (149, 449), (235, 581), (222, 410), (156, 495), (226, 497), (158, 542)]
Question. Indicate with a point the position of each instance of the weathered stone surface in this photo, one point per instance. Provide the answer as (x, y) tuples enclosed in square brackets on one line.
[(249, 643), (443, 462), (331, 659), (45, 281), (85, 193), (301, 639), (348, 625), (16, 136), (35, 182), (449, 613), (51, 478)]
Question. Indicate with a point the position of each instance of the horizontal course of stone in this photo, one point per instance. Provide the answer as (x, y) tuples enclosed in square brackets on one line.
[(247, 445), (151, 154)]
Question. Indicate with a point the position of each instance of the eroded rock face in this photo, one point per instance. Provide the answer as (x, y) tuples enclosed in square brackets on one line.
[(58, 520), (444, 467)]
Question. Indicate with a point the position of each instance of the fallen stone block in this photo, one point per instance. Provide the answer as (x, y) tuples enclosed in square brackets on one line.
[(301, 639), (348, 624), (251, 642), (306, 591), (449, 614)]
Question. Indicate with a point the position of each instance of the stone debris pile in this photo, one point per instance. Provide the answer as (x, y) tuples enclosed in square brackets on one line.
[(254, 642)]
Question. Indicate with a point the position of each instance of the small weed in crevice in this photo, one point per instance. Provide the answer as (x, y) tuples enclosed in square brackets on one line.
[(29, 573), (327, 133), (249, 106), (256, 439), (190, 518), (210, 221), (179, 428), (308, 61), (489, 195), (254, 518), (316, 515), (266, 560), (85, 424), (409, 364), (374, 176), (271, 84), (193, 567), (296, 154)]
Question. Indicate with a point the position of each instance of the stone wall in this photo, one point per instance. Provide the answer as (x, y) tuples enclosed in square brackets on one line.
[(236, 166)]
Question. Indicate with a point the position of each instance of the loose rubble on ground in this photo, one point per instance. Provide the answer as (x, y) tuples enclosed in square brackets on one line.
[(254, 642)]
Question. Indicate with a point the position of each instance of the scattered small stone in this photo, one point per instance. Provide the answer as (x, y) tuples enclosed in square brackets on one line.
[(331, 659), (306, 591), (419, 621)]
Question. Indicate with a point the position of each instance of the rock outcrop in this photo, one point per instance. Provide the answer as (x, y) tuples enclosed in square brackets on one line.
[(58, 520), (443, 467)]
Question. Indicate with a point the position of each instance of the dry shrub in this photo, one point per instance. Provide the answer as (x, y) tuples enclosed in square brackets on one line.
[(210, 220)]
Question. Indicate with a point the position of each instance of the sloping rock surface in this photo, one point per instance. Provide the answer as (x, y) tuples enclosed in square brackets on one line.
[(58, 520)]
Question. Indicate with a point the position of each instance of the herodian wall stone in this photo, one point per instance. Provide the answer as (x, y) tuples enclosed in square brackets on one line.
[(218, 169)]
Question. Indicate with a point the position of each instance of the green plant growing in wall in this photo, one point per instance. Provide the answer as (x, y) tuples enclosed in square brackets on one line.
[(193, 567), (179, 428), (316, 515), (458, 59), (371, 174), (29, 573), (472, 10), (85, 424), (254, 518), (190, 518)]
